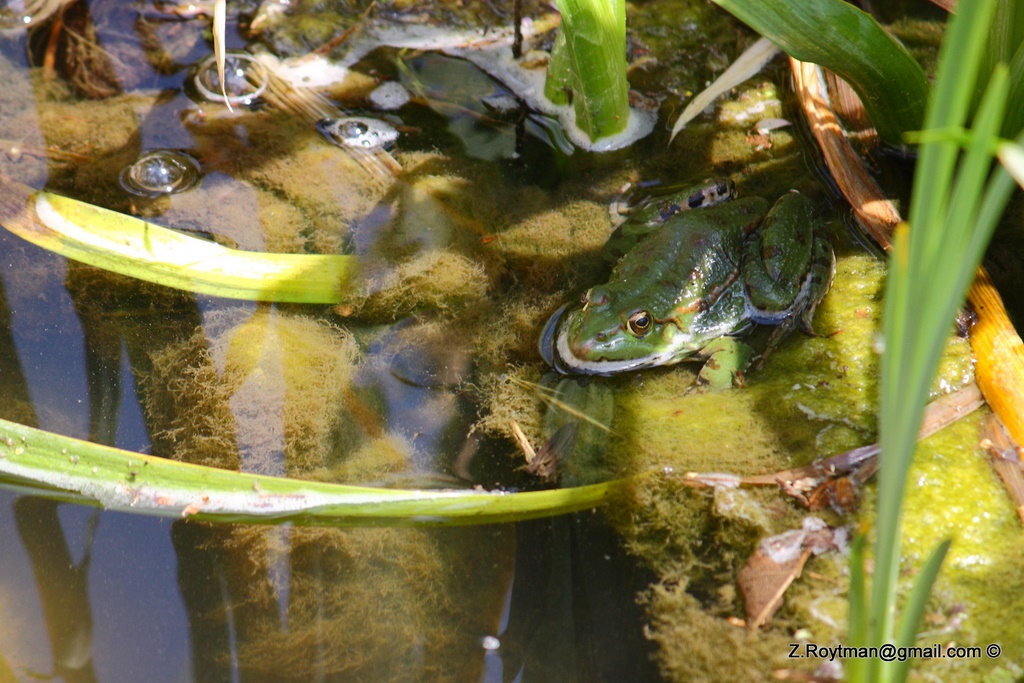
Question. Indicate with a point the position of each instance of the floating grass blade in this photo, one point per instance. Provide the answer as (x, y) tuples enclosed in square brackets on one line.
[(849, 42), (133, 247), (72, 470)]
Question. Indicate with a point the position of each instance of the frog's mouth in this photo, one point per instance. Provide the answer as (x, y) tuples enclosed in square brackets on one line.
[(557, 352), (546, 343)]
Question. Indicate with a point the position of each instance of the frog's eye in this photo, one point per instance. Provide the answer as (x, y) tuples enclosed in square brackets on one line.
[(640, 323)]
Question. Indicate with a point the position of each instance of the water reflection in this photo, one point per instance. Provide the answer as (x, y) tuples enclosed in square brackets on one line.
[(62, 584), (548, 600), (368, 394), (363, 604), (568, 619), (87, 596), (265, 603)]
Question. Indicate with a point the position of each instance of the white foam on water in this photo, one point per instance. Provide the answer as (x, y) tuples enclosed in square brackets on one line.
[(491, 52)]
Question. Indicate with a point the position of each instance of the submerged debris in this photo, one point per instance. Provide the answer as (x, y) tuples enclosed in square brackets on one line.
[(778, 561), (389, 96), (1005, 459), (503, 104)]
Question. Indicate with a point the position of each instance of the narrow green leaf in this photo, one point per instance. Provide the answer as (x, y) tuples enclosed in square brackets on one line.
[(857, 598), (974, 166), (131, 246), (849, 42), (920, 291), (957, 73), (1014, 122), (896, 330), (913, 611), (67, 469), (1005, 36), (965, 237)]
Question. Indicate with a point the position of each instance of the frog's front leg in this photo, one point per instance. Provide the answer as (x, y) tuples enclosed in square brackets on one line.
[(727, 359)]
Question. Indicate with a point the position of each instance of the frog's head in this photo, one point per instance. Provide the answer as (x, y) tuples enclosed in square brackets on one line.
[(607, 335)]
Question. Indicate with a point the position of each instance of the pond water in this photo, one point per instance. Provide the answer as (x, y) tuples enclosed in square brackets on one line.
[(102, 596), (478, 223)]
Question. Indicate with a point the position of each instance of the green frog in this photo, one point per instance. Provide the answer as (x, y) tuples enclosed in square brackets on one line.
[(693, 281)]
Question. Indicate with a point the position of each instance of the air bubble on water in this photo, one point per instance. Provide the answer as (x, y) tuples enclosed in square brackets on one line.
[(358, 131), (160, 172), (245, 79)]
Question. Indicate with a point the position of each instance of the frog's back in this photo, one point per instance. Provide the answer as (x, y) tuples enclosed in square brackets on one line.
[(675, 265)]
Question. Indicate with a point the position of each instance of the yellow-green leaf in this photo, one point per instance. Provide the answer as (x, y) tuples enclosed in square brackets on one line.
[(131, 246)]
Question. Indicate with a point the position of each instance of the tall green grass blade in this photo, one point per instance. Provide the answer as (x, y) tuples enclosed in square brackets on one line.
[(1014, 122), (897, 331), (924, 269), (913, 611), (849, 42), (858, 631), (969, 195), (1005, 35), (974, 167), (930, 269), (1009, 21), (959, 61), (595, 40), (44, 463)]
